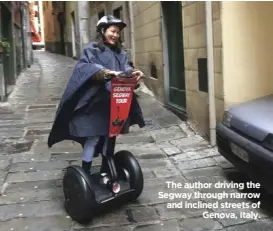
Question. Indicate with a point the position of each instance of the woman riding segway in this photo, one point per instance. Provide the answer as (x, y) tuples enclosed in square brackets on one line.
[(84, 110), (86, 113)]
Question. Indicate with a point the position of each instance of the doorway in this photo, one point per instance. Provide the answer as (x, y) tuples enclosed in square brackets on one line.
[(61, 18), (173, 55), (6, 32)]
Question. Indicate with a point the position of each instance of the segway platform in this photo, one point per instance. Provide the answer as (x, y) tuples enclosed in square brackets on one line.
[(120, 178)]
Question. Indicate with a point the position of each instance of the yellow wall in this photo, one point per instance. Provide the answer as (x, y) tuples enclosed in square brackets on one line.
[(148, 50), (195, 46), (148, 44), (49, 30), (247, 50), (51, 24), (95, 8), (70, 7)]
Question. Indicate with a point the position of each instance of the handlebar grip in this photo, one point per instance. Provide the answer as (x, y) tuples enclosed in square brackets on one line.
[(127, 74), (108, 77)]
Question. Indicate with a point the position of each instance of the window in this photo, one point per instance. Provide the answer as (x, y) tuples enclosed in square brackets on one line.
[(153, 71), (101, 14), (118, 13), (202, 74)]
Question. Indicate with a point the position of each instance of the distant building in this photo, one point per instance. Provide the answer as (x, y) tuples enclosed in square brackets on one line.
[(37, 23)]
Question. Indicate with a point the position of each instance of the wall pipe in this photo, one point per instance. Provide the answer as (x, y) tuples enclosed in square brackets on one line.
[(212, 113), (132, 31)]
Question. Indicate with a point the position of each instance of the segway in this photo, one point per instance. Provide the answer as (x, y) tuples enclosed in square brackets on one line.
[(120, 178)]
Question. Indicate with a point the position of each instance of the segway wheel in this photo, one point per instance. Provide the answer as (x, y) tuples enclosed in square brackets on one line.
[(126, 160), (79, 198)]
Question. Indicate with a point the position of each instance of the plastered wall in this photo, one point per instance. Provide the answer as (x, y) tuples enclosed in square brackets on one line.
[(49, 29), (52, 26), (247, 53), (148, 44), (195, 46)]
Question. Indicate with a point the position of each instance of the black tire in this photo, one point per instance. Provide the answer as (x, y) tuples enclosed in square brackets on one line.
[(125, 159), (79, 198)]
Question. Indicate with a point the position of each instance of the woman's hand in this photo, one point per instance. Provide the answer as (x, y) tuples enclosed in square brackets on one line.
[(113, 73), (139, 74), (104, 75)]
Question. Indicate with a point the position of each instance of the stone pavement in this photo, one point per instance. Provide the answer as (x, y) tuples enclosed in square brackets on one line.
[(167, 149)]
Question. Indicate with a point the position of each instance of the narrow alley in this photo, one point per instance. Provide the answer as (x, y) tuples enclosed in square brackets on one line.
[(167, 149)]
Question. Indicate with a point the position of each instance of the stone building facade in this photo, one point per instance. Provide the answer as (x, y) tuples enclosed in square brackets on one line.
[(72, 38), (156, 25), (195, 53), (54, 26), (61, 27), (79, 24), (242, 36), (81, 19), (148, 44), (15, 29)]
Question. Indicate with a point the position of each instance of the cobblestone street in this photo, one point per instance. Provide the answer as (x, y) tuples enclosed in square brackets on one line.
[(167, 149)]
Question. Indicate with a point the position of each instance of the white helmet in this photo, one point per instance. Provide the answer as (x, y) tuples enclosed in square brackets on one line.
[(109, 20)]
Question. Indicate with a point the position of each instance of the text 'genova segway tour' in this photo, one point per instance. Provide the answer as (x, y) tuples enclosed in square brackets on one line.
[(120, 178)]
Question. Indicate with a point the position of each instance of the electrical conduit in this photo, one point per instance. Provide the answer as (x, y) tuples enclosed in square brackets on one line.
[(212, 114)]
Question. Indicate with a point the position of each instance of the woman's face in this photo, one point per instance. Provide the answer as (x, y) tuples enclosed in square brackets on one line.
[(112, 35)]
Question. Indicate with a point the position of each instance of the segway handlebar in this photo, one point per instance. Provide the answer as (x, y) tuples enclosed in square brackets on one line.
[(123, 75)]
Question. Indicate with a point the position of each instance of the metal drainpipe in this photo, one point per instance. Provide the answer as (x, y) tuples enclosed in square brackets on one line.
[(212, 114), (2, 76), (78, 25), (132, 31)]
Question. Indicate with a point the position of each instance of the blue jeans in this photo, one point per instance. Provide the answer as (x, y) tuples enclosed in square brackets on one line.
[(90, 148)]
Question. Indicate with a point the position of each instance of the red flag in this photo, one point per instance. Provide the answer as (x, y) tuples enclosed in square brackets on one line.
[(121, 98)]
